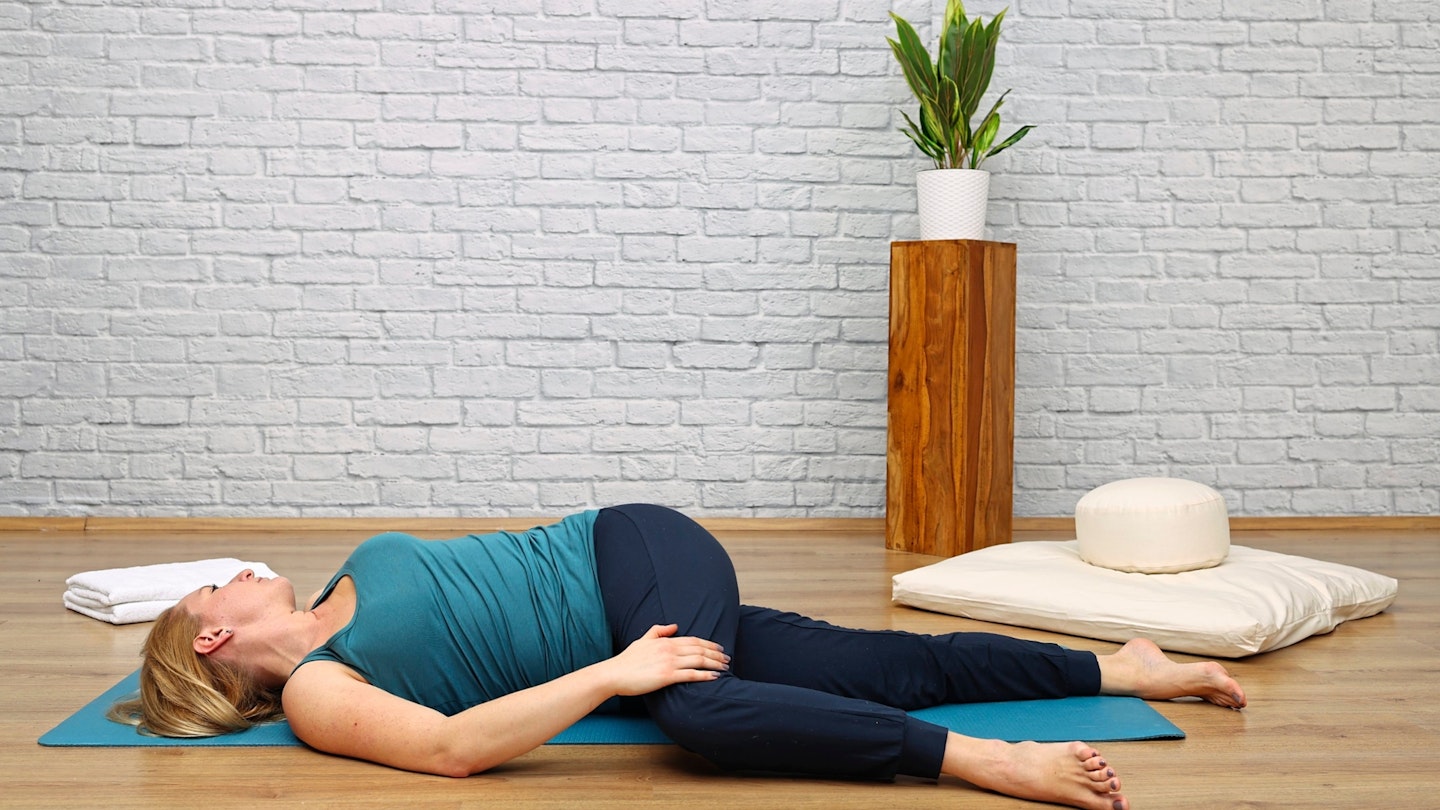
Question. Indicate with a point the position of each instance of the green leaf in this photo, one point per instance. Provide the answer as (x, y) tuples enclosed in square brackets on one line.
[(1012, 140), (983, 138), (999, 102), (955, 129), (952, 29), (923, 139), (949, 52), (929, 129), (982, 148), (955, 14), (913, 58), (995, 24), (975, 76), (932, 123), (914, 77), (928, 148), (992, 39), (927, 123)]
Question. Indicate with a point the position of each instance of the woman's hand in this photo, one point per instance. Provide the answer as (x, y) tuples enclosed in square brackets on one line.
[(659, 659)]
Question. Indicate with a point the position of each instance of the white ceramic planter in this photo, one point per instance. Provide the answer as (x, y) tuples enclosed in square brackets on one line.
[(952, 203)]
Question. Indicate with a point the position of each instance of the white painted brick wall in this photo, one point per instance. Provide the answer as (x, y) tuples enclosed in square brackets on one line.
[(359, 258)]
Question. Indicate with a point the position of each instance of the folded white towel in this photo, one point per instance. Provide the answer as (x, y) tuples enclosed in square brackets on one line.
[(165, 582), (124, 613)]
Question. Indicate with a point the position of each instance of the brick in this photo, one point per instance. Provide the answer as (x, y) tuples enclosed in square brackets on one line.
[(340, 493), (329, 52)]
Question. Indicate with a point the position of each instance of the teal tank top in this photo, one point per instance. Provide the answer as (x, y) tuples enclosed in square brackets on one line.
[(453, 623)]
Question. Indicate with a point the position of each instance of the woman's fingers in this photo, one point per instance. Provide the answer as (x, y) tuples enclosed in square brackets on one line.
[(669, 631), (706, 643), (691, 657), (708, 661), (702, 648)]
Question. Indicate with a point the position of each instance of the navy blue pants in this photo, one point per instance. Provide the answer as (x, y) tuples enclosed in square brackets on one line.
[(803, 696)]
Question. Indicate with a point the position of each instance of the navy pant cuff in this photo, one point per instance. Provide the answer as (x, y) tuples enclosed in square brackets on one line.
[(1083, 672), (923, 750)]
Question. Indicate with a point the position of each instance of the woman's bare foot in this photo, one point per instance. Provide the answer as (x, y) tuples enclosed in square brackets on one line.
[(1141, 669), (1072, 774)]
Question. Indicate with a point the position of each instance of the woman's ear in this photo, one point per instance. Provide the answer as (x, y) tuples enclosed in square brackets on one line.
[(208, 641)]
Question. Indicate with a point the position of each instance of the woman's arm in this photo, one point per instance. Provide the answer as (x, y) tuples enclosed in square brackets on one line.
[(331, 708)]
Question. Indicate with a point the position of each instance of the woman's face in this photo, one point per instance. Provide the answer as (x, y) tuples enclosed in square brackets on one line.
[(243, 600)]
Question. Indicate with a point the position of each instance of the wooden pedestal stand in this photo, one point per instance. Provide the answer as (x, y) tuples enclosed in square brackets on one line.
[(950, 449)]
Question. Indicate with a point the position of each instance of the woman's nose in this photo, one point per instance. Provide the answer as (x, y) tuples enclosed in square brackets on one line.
[(247, 574)]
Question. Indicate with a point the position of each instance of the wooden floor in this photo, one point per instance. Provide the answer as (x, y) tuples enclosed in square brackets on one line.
[(1348, 720)]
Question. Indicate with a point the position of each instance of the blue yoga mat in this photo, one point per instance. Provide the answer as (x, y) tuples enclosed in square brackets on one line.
[(1091, 719)]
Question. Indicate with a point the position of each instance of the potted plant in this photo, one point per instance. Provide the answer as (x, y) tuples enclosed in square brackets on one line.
[(953, 196)]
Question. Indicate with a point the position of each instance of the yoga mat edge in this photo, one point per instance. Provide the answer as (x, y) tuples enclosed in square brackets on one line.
[(1091, 719)]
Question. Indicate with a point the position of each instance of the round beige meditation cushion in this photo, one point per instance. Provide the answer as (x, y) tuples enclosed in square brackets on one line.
[(1152, 526)]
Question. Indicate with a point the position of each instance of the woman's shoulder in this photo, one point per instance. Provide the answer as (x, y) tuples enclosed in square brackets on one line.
[(322, 666), (381, 545), (320, 671), (314, 677), (390, 539)]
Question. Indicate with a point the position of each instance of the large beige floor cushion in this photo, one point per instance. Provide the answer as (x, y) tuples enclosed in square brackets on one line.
[(1152, 559)]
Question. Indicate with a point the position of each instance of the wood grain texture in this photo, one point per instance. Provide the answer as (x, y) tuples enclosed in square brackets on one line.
[(951, 410), (1350, 719)]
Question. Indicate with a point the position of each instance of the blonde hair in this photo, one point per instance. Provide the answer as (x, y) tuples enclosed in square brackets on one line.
[(186, 694)]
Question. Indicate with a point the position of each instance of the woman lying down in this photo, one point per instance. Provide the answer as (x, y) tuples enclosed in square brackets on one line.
[(451, 657)]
